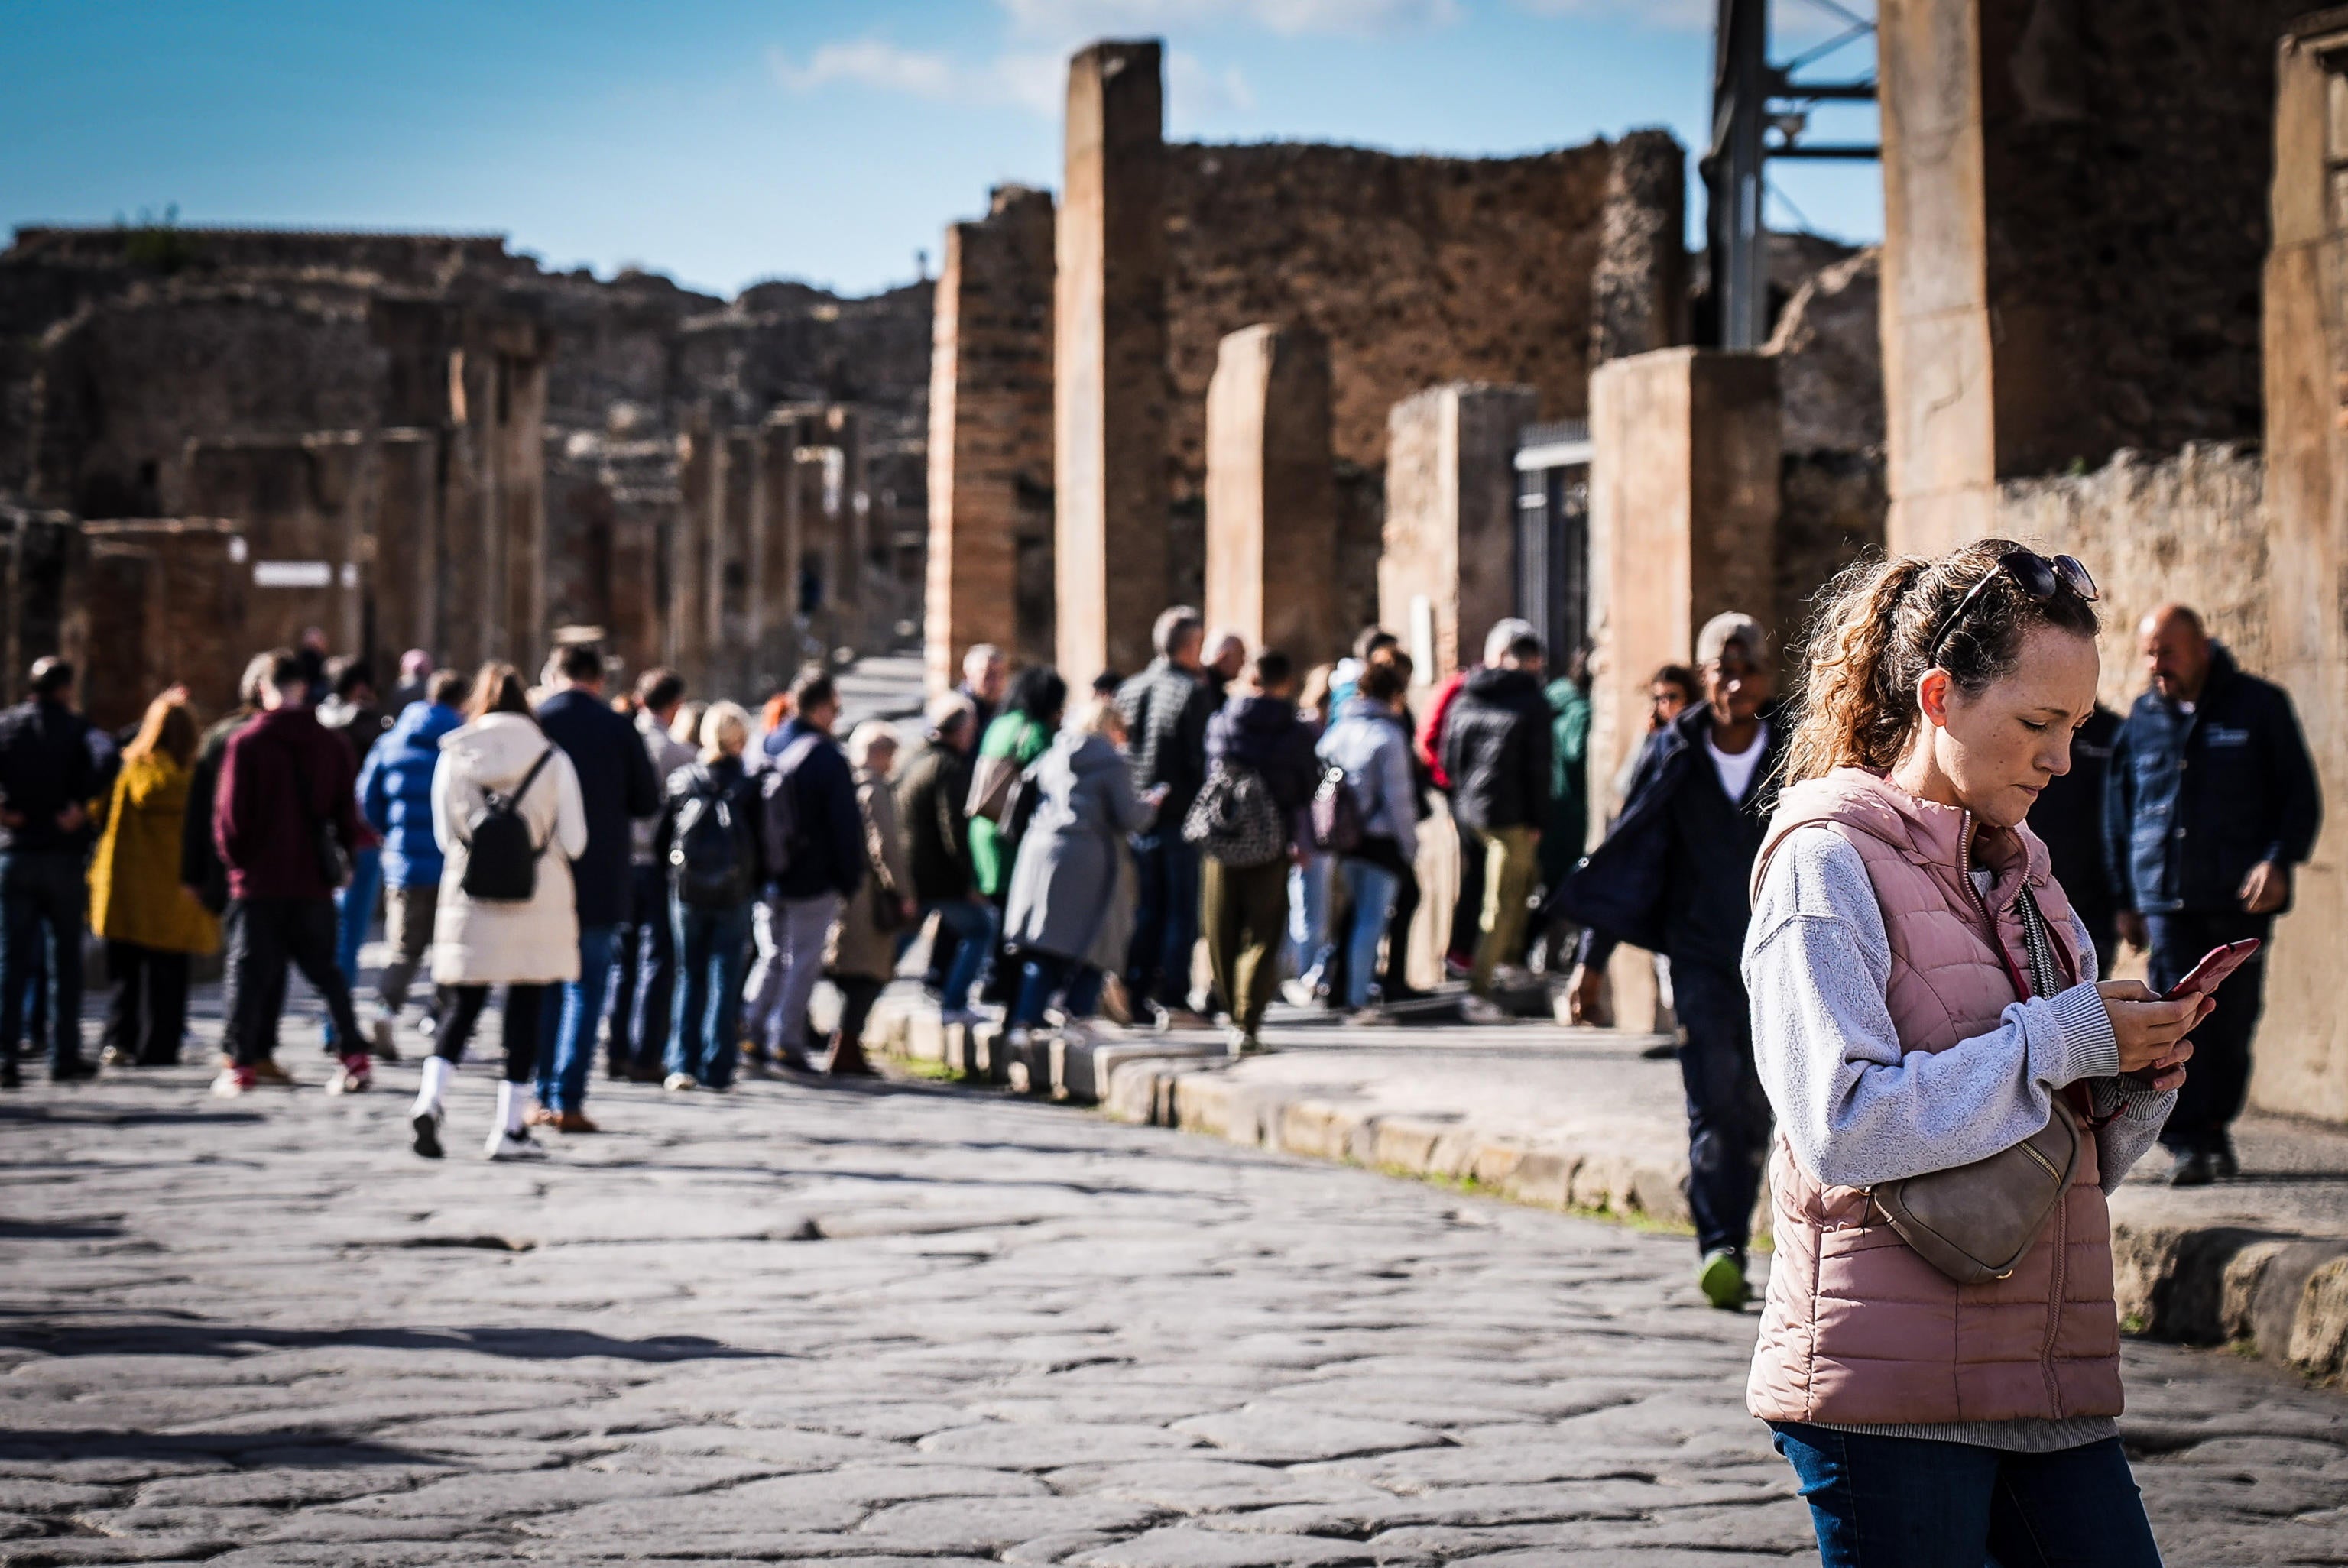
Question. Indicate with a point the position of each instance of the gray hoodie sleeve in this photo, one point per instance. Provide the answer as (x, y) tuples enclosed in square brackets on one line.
[(1856, 1107)]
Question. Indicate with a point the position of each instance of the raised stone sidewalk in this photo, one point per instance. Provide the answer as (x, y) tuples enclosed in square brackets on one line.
[(1582, 1119)]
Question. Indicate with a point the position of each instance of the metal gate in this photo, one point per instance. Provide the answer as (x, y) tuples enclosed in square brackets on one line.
[(1552, 575)]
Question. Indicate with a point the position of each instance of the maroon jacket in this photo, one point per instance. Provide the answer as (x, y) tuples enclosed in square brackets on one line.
[(258, 820)]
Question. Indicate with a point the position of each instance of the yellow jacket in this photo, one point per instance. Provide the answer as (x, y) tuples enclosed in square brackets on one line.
[(134, 881)]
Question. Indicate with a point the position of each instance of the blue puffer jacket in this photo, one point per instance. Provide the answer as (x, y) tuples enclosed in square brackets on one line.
[(395, 790), (2193, 800)]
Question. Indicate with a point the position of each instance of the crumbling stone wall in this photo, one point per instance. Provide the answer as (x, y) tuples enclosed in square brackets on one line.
[(2186, 526), (1831, 508), (1524, 270)]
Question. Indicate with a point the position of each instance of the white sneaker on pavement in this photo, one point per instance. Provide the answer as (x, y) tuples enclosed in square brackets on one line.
[(505, 1145), (1481, 1009), (232, 1081), (680, 1083)]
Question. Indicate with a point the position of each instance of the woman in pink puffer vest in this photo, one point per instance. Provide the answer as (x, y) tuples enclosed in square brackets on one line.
[(1897, 1031)]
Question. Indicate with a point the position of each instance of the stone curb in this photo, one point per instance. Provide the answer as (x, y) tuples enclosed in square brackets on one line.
[(2284, 1296)]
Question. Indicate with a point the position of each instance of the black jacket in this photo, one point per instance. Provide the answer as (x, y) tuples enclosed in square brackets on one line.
[(1166, 710), (615, 784), (1264, 733), (2196, 799), (726, 778), (828, 856), (2069, 816), (1495, 750), (1671, 874), (930, 801), (46, 765)]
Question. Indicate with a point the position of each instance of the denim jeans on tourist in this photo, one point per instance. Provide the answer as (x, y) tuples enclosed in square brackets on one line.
[(1164, 920), (1043, 975), (1913, 1502), (42, 901), (355, 918), (972, 923), (1369, 899), (643, 976), (705, 1022), (1310, 942), (570, 1022)]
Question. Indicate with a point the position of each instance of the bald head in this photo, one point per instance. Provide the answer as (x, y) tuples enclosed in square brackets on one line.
[(2175, 652)]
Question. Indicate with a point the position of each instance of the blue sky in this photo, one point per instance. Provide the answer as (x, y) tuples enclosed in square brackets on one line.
[(722, 141)]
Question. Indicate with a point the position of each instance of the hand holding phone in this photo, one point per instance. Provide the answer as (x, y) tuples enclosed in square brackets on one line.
[(2215, 966)]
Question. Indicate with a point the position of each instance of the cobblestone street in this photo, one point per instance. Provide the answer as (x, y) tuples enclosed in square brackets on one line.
[(903, 1324)]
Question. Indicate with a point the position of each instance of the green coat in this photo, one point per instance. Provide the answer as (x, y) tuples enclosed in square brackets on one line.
[(1568, 822), (1022, 739)]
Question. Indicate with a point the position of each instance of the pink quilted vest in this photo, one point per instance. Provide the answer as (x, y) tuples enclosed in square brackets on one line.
[(1858, 1329)]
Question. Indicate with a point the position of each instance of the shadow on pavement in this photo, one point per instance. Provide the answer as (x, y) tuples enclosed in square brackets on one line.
[(35, 1230), (224, 1340), (293, 1447)]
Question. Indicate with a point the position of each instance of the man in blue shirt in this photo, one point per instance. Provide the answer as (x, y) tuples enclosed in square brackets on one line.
[(2210, 801), (615, 784), (396, 795)]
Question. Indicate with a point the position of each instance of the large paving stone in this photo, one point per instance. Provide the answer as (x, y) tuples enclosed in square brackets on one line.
[(899, 1326)]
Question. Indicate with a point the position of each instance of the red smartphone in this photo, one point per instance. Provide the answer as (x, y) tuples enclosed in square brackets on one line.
[(2214, 967)]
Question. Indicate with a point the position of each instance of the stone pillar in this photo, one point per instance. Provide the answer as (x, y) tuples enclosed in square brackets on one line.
[(1683, 522), (2302, 1064), (990, 422), (1272, 495), (520, 445), (2070, 260), (778, 589), (405, 568), (732, 614), (1448, 571), (1109, 369), (1638, 290), (689, 551)]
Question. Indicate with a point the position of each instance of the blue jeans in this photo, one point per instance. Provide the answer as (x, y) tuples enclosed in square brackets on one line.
[(355, 917), (1310, 940), (703, 1033), (643, 976), (1911, 1503), (971, 921), (42, 901), (567, 1026), (1727, 1111), (1369, 900), (1164, 920), (1041, 974)]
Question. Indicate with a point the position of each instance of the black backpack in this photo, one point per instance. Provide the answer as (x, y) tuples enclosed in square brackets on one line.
[(711, 858), (500, 860), (779, 823)]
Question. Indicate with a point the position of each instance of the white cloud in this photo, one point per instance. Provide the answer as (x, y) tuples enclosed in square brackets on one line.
[(1028, 81), (1289, 18)]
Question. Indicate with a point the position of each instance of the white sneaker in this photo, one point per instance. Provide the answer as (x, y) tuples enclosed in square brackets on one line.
[(1299, 993), (347, 1080), (680, 1083), (505, 1145), (1480, 1009), (231, 1082), (1237, 1041)]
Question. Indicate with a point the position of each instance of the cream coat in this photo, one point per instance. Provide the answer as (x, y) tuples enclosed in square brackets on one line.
[(477, 943)]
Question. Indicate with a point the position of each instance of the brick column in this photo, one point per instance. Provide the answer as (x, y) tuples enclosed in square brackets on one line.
[(1682, 521), (164, 604), (1110, 380), (1271, 496), (777, 585), (990, 422), (404, 572), (1447, 572), (689, 549)]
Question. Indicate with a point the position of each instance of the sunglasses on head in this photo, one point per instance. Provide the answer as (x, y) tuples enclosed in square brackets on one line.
[(2040, 577)]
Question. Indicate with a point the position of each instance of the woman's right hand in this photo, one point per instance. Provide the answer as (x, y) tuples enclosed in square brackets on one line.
[(2150, 1029)]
